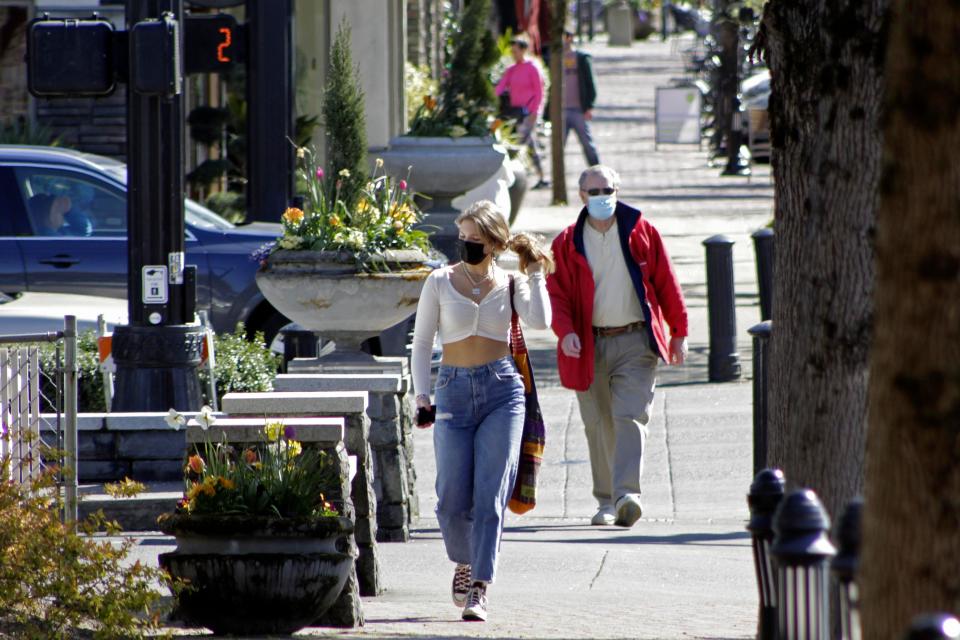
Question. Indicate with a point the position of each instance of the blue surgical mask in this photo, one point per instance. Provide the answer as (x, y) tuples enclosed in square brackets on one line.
[(601, 207)]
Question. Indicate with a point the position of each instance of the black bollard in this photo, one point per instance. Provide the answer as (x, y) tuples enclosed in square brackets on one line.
[(298, 343), (802, 550), (766, 491), (933, 626), (761, 362), (763, 248), (844, 567), (724, 361)]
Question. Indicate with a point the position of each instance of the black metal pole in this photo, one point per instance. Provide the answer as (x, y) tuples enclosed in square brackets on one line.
[(271, 157), (761, 360), (724, 361), (728, 33), (845, 566), (763, 248), (156, 353), (766, 491), (802, 551)]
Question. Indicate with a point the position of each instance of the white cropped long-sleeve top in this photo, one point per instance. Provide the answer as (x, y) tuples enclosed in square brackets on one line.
[(442, 307)]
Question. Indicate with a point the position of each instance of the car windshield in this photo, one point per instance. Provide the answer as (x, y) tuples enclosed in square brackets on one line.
[(195, 214)]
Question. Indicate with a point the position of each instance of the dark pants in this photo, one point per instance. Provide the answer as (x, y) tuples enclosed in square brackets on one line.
[(573, 119)]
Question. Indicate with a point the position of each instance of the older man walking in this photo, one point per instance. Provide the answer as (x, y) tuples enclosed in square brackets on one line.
[(612, 294)]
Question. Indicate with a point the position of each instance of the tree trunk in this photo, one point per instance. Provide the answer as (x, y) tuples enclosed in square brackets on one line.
[(911, 528), (558, 16), (825, 58)]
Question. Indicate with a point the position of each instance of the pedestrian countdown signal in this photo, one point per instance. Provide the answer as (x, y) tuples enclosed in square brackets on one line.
[(212, 43)]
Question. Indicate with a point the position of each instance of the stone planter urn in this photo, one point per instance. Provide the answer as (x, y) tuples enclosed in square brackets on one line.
[(325, 292), (257, 575), (442, 168)]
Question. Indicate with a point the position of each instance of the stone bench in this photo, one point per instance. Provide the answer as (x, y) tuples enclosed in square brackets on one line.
[(352, 407), (391, 441), (326, 433)]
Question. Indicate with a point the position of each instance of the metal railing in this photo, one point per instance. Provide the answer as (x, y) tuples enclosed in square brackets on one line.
[(24, 405)]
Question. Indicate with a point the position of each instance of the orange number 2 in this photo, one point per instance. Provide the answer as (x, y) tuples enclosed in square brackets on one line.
[(223, 46)]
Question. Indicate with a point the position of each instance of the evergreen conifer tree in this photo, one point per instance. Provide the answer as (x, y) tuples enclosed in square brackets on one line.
[(345, 121)]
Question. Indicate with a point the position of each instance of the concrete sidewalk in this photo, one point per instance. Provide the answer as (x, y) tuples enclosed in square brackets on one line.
[(685, 569)]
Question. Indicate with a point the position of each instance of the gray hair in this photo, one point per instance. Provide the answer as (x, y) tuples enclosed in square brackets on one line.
[(601, 170)]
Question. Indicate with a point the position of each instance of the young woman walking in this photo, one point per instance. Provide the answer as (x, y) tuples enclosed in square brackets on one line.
[(479, 392)]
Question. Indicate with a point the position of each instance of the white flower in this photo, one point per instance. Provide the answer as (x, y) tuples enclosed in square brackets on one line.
[(287, 242), (206, 417), (355, 239), (344, 173), (175, 420), (456, 131), (379, 162), (461, 113), (301, 153)]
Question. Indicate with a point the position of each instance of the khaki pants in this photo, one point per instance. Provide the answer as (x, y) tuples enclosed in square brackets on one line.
[(615, 411)]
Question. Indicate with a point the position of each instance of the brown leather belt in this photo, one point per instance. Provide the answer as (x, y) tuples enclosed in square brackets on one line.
[(615, 331)]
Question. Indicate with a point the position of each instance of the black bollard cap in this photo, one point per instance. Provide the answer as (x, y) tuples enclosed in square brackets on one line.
[(765, 232), (761, 329), (718, 240), (847, 536), (933, 626), (800, 527), (766, 491)]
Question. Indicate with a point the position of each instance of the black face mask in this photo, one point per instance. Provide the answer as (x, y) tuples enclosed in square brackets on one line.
[(471, 252)]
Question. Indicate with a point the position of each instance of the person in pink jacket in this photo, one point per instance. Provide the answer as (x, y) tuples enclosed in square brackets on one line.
[(523, 82)]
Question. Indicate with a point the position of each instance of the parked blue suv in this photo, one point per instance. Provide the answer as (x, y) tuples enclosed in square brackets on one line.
[(84, 249)]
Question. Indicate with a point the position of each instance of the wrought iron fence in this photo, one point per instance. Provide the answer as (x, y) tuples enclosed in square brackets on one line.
[(39, 428)]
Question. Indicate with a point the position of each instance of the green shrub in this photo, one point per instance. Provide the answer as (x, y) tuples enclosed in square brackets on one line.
[(241, 364), (344, 120), (59, 583), (89, 379)]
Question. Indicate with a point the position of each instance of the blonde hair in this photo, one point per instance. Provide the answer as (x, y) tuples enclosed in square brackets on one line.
[(492, 225)]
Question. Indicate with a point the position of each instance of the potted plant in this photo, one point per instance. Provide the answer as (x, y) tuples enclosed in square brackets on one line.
[(350, 261), (259, 546), (449, 148)]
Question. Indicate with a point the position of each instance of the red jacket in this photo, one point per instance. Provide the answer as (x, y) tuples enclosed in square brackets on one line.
[(571, 291)]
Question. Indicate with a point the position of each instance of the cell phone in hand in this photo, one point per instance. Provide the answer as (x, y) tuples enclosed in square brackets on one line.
[(426, 416)]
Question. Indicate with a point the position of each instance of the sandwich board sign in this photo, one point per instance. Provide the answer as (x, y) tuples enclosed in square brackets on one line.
[(677, 115)]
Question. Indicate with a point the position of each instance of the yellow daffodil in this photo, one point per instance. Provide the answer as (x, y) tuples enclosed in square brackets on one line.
[(294, 449), (334, 221), (227, 484), (397, 225), (273, 431)]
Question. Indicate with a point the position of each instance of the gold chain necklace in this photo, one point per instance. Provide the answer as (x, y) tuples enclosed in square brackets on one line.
[(476, 283)]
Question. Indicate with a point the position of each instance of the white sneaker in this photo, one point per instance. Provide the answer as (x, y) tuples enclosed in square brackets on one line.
[(476, 609), (604, 516), (629, 510), (461, 585)]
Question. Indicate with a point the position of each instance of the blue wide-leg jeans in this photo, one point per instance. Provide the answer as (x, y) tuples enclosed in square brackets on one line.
[(476, 437)]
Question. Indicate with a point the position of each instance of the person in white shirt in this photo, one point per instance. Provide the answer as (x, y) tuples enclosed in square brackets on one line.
[(479, 392)]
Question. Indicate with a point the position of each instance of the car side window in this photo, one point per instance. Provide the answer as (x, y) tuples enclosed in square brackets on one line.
[(66, 203)]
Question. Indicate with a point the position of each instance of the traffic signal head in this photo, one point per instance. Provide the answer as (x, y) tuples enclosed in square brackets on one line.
[(70, 57)]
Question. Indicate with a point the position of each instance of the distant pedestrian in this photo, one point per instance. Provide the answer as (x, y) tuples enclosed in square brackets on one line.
[(524, 82), (612, 290), (479, 410), (579, 96)]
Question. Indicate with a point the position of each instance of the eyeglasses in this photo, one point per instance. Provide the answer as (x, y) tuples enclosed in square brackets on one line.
[(605, 191)]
